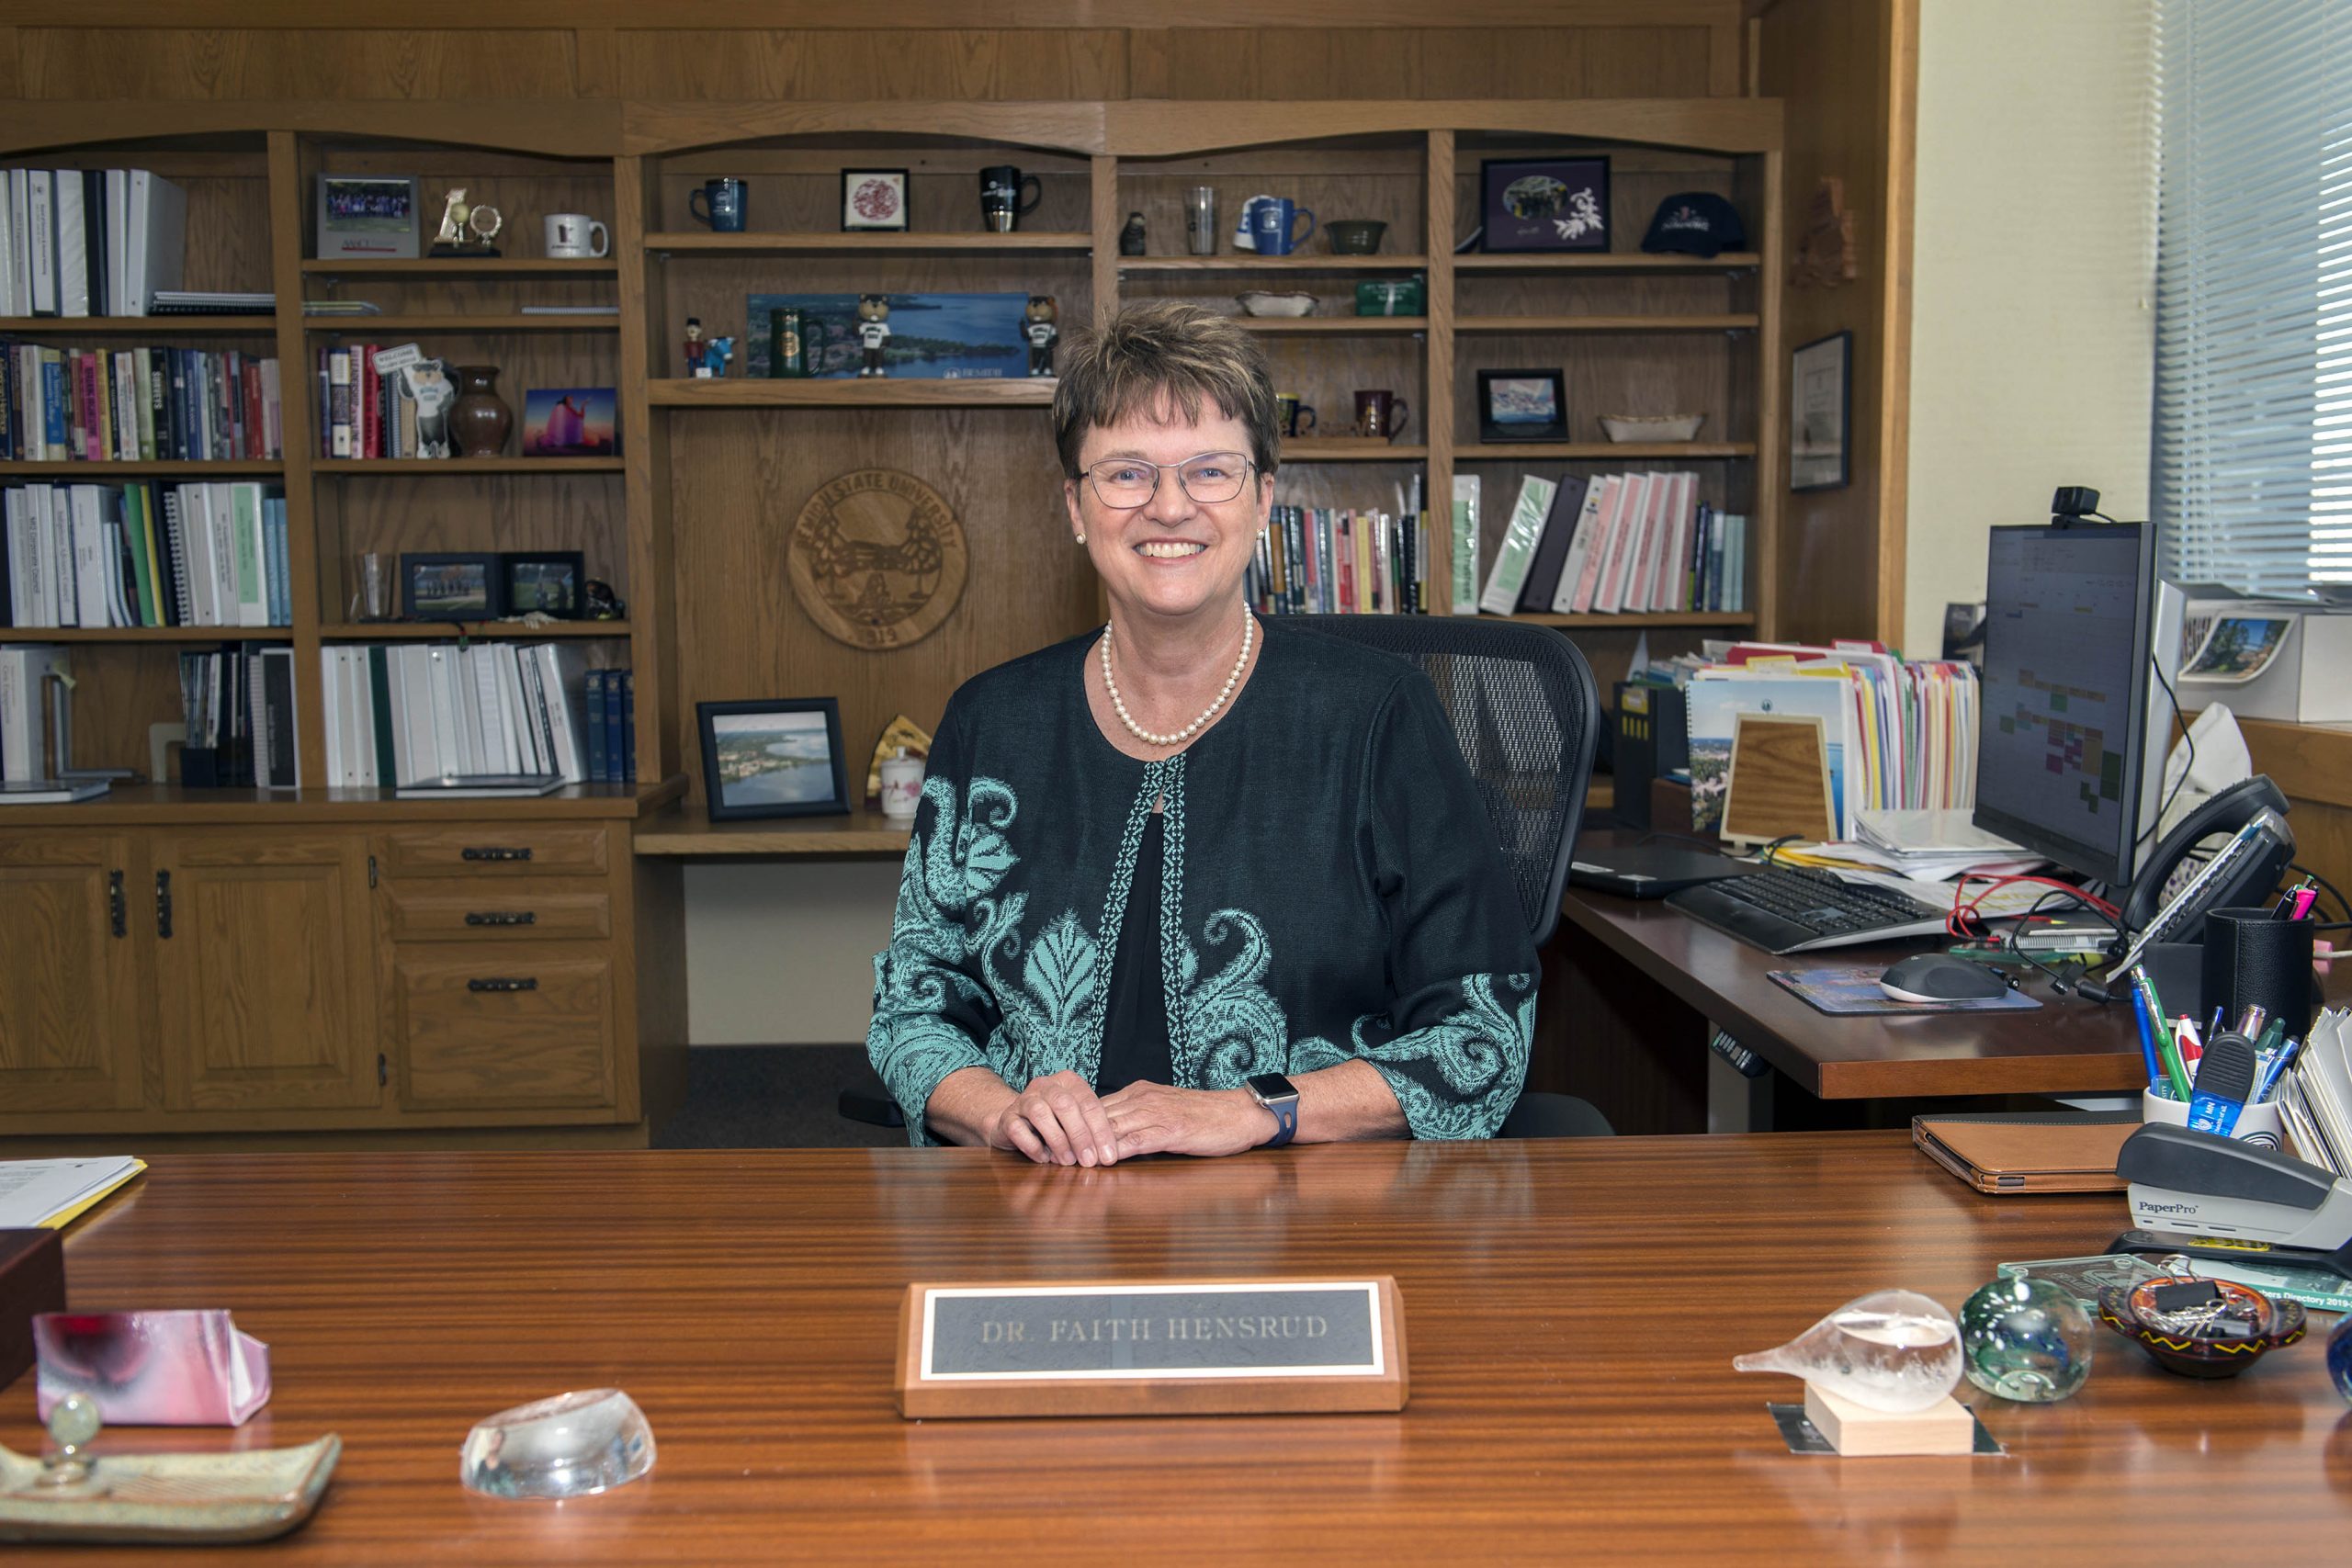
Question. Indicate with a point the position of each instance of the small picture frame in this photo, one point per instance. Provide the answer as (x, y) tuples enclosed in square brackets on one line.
[(773, 757), (450, 588), (1820, 379), (1544, 204), (550, 582), (874, 199), (570, 422), (1522, 405), (368, 216)]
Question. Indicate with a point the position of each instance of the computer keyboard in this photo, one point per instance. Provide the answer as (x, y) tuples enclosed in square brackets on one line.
[(1790, 909)]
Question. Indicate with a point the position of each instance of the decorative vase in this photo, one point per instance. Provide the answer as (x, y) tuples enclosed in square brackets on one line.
[(480, 419)]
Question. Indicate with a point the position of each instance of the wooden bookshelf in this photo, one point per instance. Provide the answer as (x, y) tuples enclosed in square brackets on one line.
[(472, 631), (407, 323), (1601, 451), (76, 472), (461, 269), (873, 392), (461, 468), (1531, 326), (1603, 263), (136, 327), (752, 243), (1352, 449), (1633, 620), (130, 635), (1140, 267), (1334, 326)]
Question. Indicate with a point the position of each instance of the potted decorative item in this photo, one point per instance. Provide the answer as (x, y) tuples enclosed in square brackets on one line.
[(480, 420)]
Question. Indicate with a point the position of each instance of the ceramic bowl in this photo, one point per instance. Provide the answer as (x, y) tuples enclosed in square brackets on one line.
[(1258, 302), (1651, 426), (2264, 1323), (1355, 236)]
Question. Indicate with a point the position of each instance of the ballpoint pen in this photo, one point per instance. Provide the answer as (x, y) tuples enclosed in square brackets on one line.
[(2157, 1076), (2276, 1070)]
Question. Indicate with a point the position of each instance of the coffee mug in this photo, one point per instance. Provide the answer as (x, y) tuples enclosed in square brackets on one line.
[(1002, 187), (1271, 221), (1381, 414), (1296, 418), (576, 234), (1244, 223), (722, 208)]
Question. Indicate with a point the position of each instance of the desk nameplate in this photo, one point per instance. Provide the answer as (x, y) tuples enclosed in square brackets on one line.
[(1189, 1347)]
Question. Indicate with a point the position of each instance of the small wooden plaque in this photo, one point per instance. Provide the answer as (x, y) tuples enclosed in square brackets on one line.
[(1778, 783), (1189, 1348), (1859, 1433)]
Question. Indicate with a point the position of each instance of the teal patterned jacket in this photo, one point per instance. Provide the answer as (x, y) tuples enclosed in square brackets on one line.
[(1332, 890)]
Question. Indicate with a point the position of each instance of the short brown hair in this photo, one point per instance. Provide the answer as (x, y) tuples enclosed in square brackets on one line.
[(1165, 356)]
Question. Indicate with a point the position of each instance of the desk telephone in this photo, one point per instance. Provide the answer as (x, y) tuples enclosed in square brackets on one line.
[(2174, 890)]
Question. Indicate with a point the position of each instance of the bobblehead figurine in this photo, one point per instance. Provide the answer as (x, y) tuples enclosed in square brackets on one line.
[(872, 332), (1042, 325)]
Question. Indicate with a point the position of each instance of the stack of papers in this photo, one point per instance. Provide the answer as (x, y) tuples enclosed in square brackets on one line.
[(43, 1194), (2315, 1096)]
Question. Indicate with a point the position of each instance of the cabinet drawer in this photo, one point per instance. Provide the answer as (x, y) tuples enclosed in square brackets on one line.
[(504, 1030), (492, 849), (464, 909)]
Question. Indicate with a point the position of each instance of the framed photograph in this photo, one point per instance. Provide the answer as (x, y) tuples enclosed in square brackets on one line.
[(1522, 405), (932, 336), (367, 215), (550, 582), (1820, 379), (1544, 204), (450, 588), (781, 757), (873, 198), (569, 421)]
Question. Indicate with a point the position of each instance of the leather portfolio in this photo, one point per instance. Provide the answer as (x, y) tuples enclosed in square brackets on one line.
[(32, 1281), (2028, 1151)]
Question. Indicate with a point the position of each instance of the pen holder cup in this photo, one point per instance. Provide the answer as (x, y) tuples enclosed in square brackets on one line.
[(2252, 959), (2258, 1125)]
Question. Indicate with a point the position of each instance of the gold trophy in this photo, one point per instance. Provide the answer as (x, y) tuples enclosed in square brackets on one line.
[(466, 229)]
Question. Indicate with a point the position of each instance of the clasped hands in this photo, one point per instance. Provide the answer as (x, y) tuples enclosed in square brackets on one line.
[(1060, 1120)]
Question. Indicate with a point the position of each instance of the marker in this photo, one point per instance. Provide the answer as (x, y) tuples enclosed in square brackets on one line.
[(2305, 896)]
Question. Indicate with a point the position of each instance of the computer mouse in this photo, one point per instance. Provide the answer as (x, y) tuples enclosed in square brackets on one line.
[(1941, 977)]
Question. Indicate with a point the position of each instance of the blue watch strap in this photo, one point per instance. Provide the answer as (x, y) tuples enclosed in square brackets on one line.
[(1284, 1105)]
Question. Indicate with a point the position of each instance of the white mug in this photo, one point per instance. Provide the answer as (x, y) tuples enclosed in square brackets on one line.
[(901, 786), (576, 234)]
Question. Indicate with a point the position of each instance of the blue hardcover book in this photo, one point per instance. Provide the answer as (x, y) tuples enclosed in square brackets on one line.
[(596, 704), (54, 402), (628, 725), (615, 717)]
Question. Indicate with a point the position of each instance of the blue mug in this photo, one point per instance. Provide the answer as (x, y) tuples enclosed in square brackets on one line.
[(1271, 220), (722, 208)]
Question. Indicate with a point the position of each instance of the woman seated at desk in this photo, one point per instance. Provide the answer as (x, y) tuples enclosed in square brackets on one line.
[(1194, 883)]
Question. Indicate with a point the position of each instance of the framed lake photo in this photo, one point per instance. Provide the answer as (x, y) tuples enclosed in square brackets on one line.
[(945, 337), (779, 757), (1522, 405)]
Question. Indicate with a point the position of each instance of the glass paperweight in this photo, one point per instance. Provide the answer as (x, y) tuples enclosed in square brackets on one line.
[(2026, 1340), (1896, 1351), (2339, 1354), (570, 1445)]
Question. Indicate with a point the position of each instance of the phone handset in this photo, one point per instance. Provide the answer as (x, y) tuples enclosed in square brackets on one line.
[(2252, 815)]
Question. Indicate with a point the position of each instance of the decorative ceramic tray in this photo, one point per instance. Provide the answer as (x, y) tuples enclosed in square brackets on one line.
[(191, 1498)]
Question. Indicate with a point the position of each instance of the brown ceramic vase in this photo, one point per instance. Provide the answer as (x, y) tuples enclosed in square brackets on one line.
[(480, 419)]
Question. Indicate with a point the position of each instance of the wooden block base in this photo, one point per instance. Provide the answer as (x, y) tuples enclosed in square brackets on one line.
[(1859, 1433)]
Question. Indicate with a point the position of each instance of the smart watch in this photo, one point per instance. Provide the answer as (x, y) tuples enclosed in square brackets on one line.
[(1279, 1095)]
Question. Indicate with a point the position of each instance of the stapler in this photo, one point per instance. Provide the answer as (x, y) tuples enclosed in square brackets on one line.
[(2213, 1197)]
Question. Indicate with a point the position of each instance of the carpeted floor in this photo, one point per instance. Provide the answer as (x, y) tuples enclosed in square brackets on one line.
[(773, 1097)]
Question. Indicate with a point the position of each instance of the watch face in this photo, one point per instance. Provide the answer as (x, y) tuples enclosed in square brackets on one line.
[(1274, 1085)]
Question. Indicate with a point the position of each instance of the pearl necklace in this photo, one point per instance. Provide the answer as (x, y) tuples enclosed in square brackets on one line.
[(1249, 632)]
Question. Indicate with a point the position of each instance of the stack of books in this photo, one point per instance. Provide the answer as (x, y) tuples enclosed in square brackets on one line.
[(144, 555), (138, 405), (363, 411), (29, 674), (1617, 544), (238, 704), (89, 242), (1322, 560), (403, 714)]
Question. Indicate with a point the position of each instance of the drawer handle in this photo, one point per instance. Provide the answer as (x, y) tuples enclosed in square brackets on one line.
[(529, 983), (503, 917), (494, 853)]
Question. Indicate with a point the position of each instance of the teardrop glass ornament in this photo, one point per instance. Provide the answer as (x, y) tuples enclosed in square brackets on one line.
[(1896, 1352)]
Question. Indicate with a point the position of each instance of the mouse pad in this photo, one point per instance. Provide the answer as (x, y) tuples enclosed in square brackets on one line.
[(1856, 991)]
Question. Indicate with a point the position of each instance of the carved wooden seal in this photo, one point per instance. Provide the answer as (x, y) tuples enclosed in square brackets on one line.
[(878, 558)]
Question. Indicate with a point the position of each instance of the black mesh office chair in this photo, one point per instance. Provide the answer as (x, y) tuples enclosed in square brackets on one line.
[(1525, 713)]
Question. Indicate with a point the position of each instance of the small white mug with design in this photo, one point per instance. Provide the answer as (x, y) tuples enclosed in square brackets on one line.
[(901, 785), (576, 235), (2259, 1124)]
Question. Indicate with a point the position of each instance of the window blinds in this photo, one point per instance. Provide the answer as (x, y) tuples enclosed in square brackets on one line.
[(2251, 475)]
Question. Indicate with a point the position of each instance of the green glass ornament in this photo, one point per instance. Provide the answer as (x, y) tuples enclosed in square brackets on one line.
[(2026, 1340)]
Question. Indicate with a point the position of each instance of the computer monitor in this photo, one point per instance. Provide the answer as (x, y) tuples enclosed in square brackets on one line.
[(2063, 759)]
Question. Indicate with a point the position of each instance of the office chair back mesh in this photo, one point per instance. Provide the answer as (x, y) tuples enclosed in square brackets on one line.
[(1525, 713)]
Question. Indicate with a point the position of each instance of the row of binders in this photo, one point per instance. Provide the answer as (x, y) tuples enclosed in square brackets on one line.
[(404, 714), (89, 242), (1322, 560), (1614, 544), (238, 705), (211, 554), (138, 405), (1900, 735)]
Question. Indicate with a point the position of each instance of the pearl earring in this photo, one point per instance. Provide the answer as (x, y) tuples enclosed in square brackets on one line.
[(1081, 538)]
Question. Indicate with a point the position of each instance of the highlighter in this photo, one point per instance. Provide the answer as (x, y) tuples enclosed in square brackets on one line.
[(2225, 1083)]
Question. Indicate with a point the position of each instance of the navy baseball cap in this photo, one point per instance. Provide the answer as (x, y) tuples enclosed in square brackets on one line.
[(1697, 222)]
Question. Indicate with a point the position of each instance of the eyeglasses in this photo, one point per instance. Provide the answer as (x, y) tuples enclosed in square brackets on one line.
[(1126, 483)]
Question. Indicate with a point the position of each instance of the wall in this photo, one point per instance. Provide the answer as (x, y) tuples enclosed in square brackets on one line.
[(2032, 336)]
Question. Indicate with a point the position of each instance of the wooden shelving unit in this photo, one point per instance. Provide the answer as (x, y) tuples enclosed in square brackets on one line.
[(753, 244), (876, 392), (475, 631), (1534, 326), (1352, 449), (1303, 264), (39, 327), (133, 635), (461, 269), (1335, 326), (1605, 262), (75, 472), (459, 468), (1603, 451), (410, 323)]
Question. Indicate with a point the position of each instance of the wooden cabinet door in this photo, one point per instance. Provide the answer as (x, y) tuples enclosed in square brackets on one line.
[(70, 984), (266, 971)]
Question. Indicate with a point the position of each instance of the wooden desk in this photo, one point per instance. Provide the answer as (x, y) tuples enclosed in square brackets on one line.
[(1572, 1311)]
